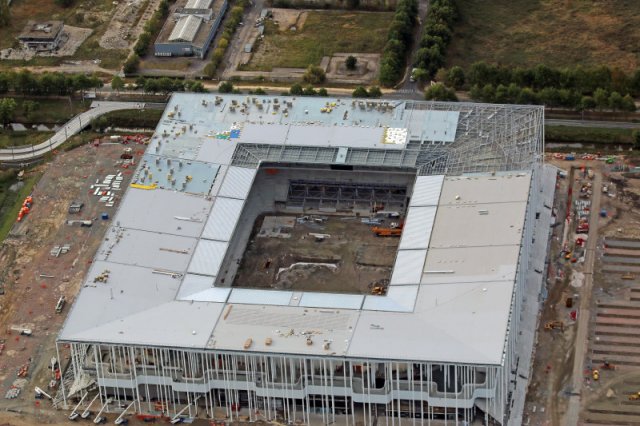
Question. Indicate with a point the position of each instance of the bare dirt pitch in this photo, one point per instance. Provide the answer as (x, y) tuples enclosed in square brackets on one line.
[(351, 259), (35, 278)]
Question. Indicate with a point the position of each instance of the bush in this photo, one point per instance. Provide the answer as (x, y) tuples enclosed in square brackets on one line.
[(360, 92), (439, 92), (296, 90), (131, 64), (314, 75), (225, 87), (375, 92), (351, 62)]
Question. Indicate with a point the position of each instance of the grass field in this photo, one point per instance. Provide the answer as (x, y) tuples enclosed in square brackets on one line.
[(94, 14), (554, 32), (570, 134), (50, 111), (30, 137), (359, 32)]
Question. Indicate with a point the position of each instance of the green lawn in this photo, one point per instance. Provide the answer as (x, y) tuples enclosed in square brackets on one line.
[(570, 134), (323, 34), (51, 111), (554, 32), (30, 137)]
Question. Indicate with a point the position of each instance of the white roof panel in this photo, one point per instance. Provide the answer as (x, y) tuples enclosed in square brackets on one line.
[(408, 267), (198, 4), (171, 212), (417, 228), (260, 297), (502, 188), (237, 183), (186, 28), (329, 300), (223, 219), (208, 257), (426, 191)]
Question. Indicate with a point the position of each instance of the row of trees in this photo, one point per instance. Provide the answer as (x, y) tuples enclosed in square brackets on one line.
[(552, 97), (584, 80), (362, 92), (151, 29), (233, 21), (436, 36), (49, 83), (164, 85), (394, 55)]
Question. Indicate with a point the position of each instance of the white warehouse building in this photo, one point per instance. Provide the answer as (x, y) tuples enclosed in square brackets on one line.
[(163, 326)]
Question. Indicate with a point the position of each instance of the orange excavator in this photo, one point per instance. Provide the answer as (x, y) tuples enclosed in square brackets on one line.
[(394, 231)]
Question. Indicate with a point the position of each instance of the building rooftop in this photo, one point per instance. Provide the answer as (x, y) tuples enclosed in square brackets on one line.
[(452, 281), (187, 27), (45, 30)]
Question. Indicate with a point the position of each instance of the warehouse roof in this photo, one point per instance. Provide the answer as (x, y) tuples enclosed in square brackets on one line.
[(186, 28), (451, 288)]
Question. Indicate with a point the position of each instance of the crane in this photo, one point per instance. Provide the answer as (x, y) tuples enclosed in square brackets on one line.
[(87, 412), (74, 414), (43, 393), (121, 420)]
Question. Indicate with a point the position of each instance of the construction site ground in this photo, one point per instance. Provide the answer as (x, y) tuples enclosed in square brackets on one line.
[(612, 313), (362, 260), (34, 279)]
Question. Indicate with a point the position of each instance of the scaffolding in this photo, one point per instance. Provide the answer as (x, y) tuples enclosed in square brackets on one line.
[(345, 196)]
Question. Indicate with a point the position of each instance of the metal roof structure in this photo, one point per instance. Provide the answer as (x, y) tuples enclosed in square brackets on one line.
[(198, 4), (453, 276), (186, 28)]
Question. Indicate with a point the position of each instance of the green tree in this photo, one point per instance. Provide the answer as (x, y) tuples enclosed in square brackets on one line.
[(296, 90), (601, 97), (488, 93), (309, 91), (440, 92), (29, 107), (323, 92), (314, 75), (5, 13), (360, 92), (527, 97), (117, 83), (375, 92), (628, 104), (636, 139), (225, 87), (351, 62), (587, 103), (131, 65), (7, 110), (615, 101), (455, 77)]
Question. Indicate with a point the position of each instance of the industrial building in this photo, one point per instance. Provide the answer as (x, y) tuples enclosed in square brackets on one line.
[(42, 36), (164, 325), (190, 28)]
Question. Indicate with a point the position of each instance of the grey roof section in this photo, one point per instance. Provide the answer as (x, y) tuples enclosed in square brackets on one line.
[(331, 300), (164, 211), (433, 126), (398, 299), (128, 290), (208, 257), (160, 324), (200, 288), (417, 228), (426, 191), (148, 249), (186, 28), (260, 297), (237, 183), (223, 219), (198, 4)]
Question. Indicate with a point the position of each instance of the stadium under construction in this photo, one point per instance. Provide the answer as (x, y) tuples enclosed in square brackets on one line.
[(244, 276)]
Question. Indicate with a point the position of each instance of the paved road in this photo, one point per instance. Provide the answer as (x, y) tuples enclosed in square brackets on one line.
[(591, 123), (581, 343), (72, 127)]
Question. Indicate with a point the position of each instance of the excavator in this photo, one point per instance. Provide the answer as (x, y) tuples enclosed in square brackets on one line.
[(551, 325), (394, 231), (634, 396)]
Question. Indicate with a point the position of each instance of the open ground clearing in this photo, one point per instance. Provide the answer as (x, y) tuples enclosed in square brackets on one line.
[(92, 14), (315, 37), (553, 32)]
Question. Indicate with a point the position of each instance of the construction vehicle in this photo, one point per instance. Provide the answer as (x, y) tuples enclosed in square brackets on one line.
[(386, 232), (74, 414), (99, 418), (634, 396), (551, 325), (22, 330), (608, 366), (60, 305), (40, 394), (121, 420), (595, 374), (87, 412), (378, 290)]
